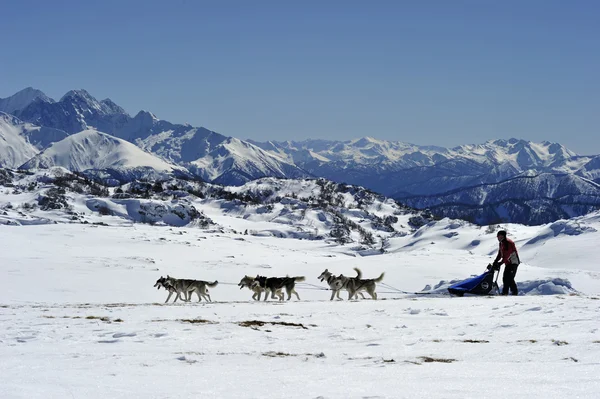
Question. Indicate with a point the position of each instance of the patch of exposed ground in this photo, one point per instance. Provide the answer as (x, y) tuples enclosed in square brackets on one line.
[(259, 323)]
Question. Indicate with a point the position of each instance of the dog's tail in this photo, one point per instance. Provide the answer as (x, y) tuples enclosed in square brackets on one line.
[(299, 278), (358, 273), (378, 279), (213, 285)]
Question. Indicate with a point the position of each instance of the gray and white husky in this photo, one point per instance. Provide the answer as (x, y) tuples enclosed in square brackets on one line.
[(337, 283), (354, 285), (186, 287)]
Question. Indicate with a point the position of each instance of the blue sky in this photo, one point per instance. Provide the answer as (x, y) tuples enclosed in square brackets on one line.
[(426, 72)]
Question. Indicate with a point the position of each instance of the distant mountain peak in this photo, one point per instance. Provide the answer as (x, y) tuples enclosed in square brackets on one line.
[(22, 99), (366, 141), (143, 114), (114, 108), (82, 99), (79, 93)]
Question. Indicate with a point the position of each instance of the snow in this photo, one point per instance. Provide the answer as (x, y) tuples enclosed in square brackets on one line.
[(80, 316)]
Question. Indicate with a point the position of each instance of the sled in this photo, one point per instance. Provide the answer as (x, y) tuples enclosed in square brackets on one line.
[(480, 285)]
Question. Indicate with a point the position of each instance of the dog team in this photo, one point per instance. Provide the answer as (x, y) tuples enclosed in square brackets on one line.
[(271, 286)]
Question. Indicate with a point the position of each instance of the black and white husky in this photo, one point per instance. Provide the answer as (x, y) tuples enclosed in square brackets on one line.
[(275, 285)]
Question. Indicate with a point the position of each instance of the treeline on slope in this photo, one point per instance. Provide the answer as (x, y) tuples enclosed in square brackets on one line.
[(331, 198)]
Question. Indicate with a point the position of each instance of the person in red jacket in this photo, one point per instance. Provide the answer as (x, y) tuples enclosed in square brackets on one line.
[(507, 254)]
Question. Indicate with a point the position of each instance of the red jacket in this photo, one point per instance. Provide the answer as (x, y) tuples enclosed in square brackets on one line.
[(506, 248)]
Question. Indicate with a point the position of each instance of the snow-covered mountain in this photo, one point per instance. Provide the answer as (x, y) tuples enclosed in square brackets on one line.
[(525, 199), (496, 180), (22, 99), (93, 150), (77, 110), (210, 155), (468, 180), (374, 163)]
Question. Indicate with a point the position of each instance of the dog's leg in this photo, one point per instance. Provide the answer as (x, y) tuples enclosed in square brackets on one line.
[(333, 292), (182, 297), (373, 293), (361, 294), (185, 296), (352, 294), (296, 293), (169, 297)]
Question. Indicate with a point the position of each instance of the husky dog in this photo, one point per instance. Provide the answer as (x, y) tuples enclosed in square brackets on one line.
[(256, 286), (357, 284), (248, 282), (338, 283), (185, 287), (276, 284), (163, 282)]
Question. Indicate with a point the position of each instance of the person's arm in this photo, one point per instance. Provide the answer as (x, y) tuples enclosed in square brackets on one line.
[(499, 256)]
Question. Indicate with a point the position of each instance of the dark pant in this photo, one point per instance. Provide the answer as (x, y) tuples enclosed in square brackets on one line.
[(508, 278)]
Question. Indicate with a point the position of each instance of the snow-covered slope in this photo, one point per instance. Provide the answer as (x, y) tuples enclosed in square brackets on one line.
[(591, 170), (15, 147), (22, 99), (87, 317), (349, 221), (235, 162), (91, 149)]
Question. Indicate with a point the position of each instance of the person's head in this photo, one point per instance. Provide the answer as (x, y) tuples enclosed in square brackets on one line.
[(501, 235)]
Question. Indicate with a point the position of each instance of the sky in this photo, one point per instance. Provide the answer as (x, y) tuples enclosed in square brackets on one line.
[(428, 72)]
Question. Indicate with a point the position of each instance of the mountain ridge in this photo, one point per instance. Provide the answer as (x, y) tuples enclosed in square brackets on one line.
[(397, 169)]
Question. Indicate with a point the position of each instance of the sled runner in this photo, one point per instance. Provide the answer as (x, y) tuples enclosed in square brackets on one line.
[(480, 285)]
